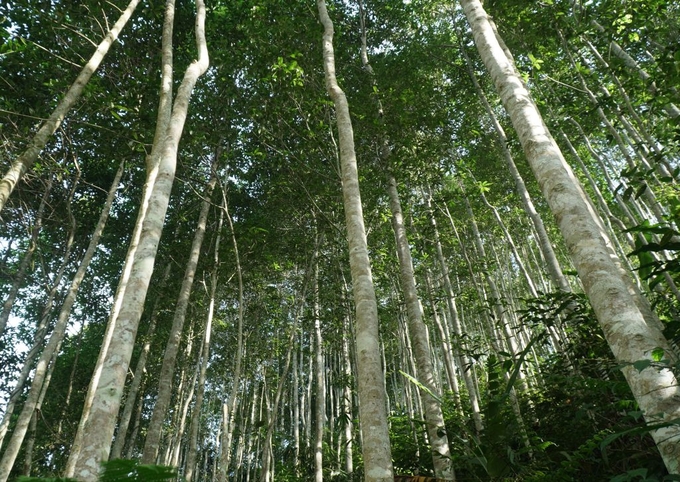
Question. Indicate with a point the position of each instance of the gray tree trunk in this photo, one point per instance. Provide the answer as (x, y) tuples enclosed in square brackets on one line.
[(40, 377), (436, 429), (97, 429), (165, 381), (371, 382), (608, 287), (25, 161)]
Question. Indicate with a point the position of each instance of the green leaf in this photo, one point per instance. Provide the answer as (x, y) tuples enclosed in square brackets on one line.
[(657, 354), (642, 364)]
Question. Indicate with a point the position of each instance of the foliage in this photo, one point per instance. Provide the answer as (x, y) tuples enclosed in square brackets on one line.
[(120, 471)]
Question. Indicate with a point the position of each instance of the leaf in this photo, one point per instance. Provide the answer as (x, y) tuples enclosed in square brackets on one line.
[(421, 386), (657, 354), (641, 365)]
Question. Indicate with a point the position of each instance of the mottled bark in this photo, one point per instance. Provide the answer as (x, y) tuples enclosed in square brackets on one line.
[(434, 418), (40, 377), (165, 381), (97, 430), (608, 287), (137, 378), (371, 383)]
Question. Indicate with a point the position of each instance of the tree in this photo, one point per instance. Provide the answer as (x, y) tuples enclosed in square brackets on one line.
[(373, 417), (631, 331)]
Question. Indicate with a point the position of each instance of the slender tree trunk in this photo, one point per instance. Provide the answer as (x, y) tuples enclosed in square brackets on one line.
[(165, 385), (40, 381), (455, 321), (347, 398), (25, 262), (153, 162), (371, 383), (320, 408), (196, 416), (608, 287), (434, 417), (97, 429), (25, 161), (230, 413)]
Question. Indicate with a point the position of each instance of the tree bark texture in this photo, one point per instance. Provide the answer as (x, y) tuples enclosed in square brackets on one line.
[(99, 427), (629, 335), (434, 418), (371, 382)]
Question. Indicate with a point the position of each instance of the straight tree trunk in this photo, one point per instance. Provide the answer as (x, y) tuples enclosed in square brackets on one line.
[(320, 408), (205, 353), (153, 162), (25, 161), (165, 381), (347, 398), (40, 381), (229, 413), (609, 289), (371, 382), (137, 378), (97, 430), (436, 429)]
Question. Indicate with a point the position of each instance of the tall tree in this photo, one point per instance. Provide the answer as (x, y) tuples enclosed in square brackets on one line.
[(371, 384), (624, 318), (97, 432)]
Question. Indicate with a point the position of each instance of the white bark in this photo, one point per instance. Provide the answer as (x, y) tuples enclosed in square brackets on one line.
[(436, 429), (371, 382), (165, 382), (40, 377), (205, 353), (97, 430), (153, 161), (229, 418), (610, 292), (25, 161), (320, 408)]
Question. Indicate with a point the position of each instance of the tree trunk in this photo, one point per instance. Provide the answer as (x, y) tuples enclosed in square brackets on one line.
[(371, 383), (608, 287), (25, 161), (25, 262), (165, 381), (320, 408), (97, 429), (196, 415), (229, 419), (40, 382), (137, 378), (436, 430)]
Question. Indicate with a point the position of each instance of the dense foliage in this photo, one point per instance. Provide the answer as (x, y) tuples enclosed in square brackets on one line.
[(556, 407)]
